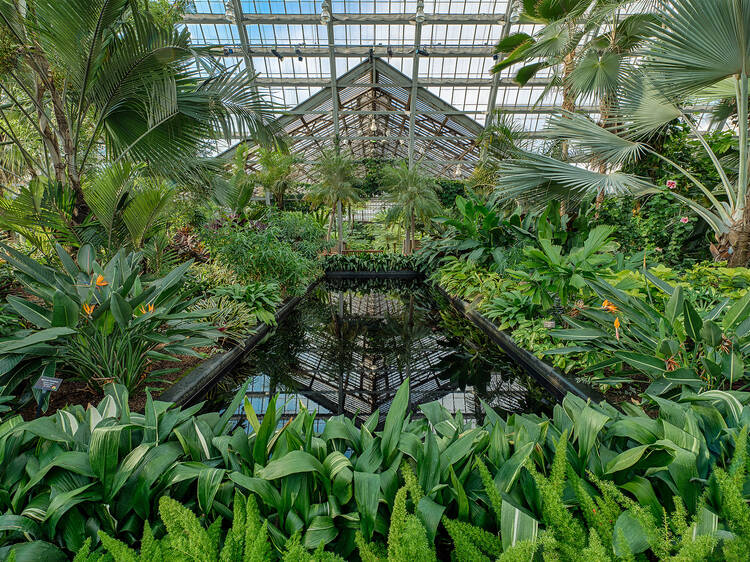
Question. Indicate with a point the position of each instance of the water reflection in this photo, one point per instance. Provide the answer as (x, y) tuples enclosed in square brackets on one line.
[(349, 346)]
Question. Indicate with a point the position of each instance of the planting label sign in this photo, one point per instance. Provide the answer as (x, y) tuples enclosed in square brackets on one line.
[(48, 383)]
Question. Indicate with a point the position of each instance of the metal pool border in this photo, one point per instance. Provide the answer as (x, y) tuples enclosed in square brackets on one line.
[(195, 383), (401, 275), (555, 382)]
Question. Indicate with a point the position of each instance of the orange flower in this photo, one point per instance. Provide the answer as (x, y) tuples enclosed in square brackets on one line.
[(609, 307), (88, 309), (617, 328), (146, 308), (101, 282)]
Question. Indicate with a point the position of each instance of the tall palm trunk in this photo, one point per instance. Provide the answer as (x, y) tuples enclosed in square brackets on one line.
[(413, 227), (406, 239), (340, 219), (739, 239)]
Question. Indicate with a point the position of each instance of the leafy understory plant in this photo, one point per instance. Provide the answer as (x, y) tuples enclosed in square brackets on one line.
[(99, 323)]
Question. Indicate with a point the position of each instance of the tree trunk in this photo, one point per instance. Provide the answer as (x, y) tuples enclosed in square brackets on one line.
[(413, 227), (569, 100), (739, 239), (340, 220), (406, 239)]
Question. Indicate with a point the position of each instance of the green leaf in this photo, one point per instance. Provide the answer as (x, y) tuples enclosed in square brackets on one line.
[(644, 363), (121, 310), (675, 304), (737, 313), (86, 257), (34, 551), (294, 462), (64, 311), (104, 454), (259, 486), (209, 480), (34, 339), (430, 514), (394, 422), (693, 322), (31, 312), (516, 526), (367, 495), (587, 425), (461, 499), (634, 534), (322, 530)]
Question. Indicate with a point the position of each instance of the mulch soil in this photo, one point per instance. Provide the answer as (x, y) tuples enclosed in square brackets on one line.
[(78, 392)]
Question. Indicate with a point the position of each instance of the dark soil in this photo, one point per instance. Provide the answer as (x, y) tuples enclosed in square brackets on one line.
[(78, 392)]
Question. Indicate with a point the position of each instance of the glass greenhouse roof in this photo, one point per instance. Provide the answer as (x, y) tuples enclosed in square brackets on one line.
[(295, 47)]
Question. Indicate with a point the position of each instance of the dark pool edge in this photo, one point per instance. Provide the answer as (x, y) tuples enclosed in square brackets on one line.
[(374, 275), (205, 374), (558, 384)]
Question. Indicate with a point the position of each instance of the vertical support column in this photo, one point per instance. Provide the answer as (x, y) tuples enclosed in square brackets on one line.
[(418, 21), (326, 18), (239, 21), (496, 77)]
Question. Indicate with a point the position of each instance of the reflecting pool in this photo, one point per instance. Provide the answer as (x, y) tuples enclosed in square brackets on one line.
[(349, 345)]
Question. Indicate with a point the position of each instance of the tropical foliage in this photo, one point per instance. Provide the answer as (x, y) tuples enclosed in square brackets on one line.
[(675, 71), (99, 323)]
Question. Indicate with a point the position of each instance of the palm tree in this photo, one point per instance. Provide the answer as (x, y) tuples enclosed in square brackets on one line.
[(277, 173), (335, 173), (235, 192), (590, 69), (414, 197), (700, 48), (95, 77)]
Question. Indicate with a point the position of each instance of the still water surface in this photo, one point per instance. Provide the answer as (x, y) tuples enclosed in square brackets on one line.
[(349, 345)]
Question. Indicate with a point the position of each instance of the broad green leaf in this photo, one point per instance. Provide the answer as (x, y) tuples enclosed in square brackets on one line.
[(121, 310), (394, 422), (737, 313), (209, 481), (693, 322), (516, 526), (367, 495), (634, 534), (675, 305), (322, 530), (430, 513), (64, 311), (34, 313), (645, 363), (294, 462), (86, 256)]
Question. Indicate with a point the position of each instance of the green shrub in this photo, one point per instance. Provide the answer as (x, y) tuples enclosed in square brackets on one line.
[(98, 323), (256, 252)]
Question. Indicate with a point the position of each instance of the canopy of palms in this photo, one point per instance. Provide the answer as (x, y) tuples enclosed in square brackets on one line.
[(276, 175), (101, 77), (699, 49), (414, 197), (591, 62), (335, 172)]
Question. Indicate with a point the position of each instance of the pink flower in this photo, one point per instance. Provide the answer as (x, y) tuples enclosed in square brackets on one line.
[(671, 184), (684, 220)]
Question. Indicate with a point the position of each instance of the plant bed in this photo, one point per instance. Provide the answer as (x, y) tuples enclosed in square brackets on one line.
[(74, 391), (558, 384)]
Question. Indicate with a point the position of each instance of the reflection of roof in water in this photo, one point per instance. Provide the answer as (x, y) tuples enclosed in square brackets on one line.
[(354, 355)]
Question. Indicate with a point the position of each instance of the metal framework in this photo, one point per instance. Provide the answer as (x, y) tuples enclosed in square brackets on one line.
[(436, 56)]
